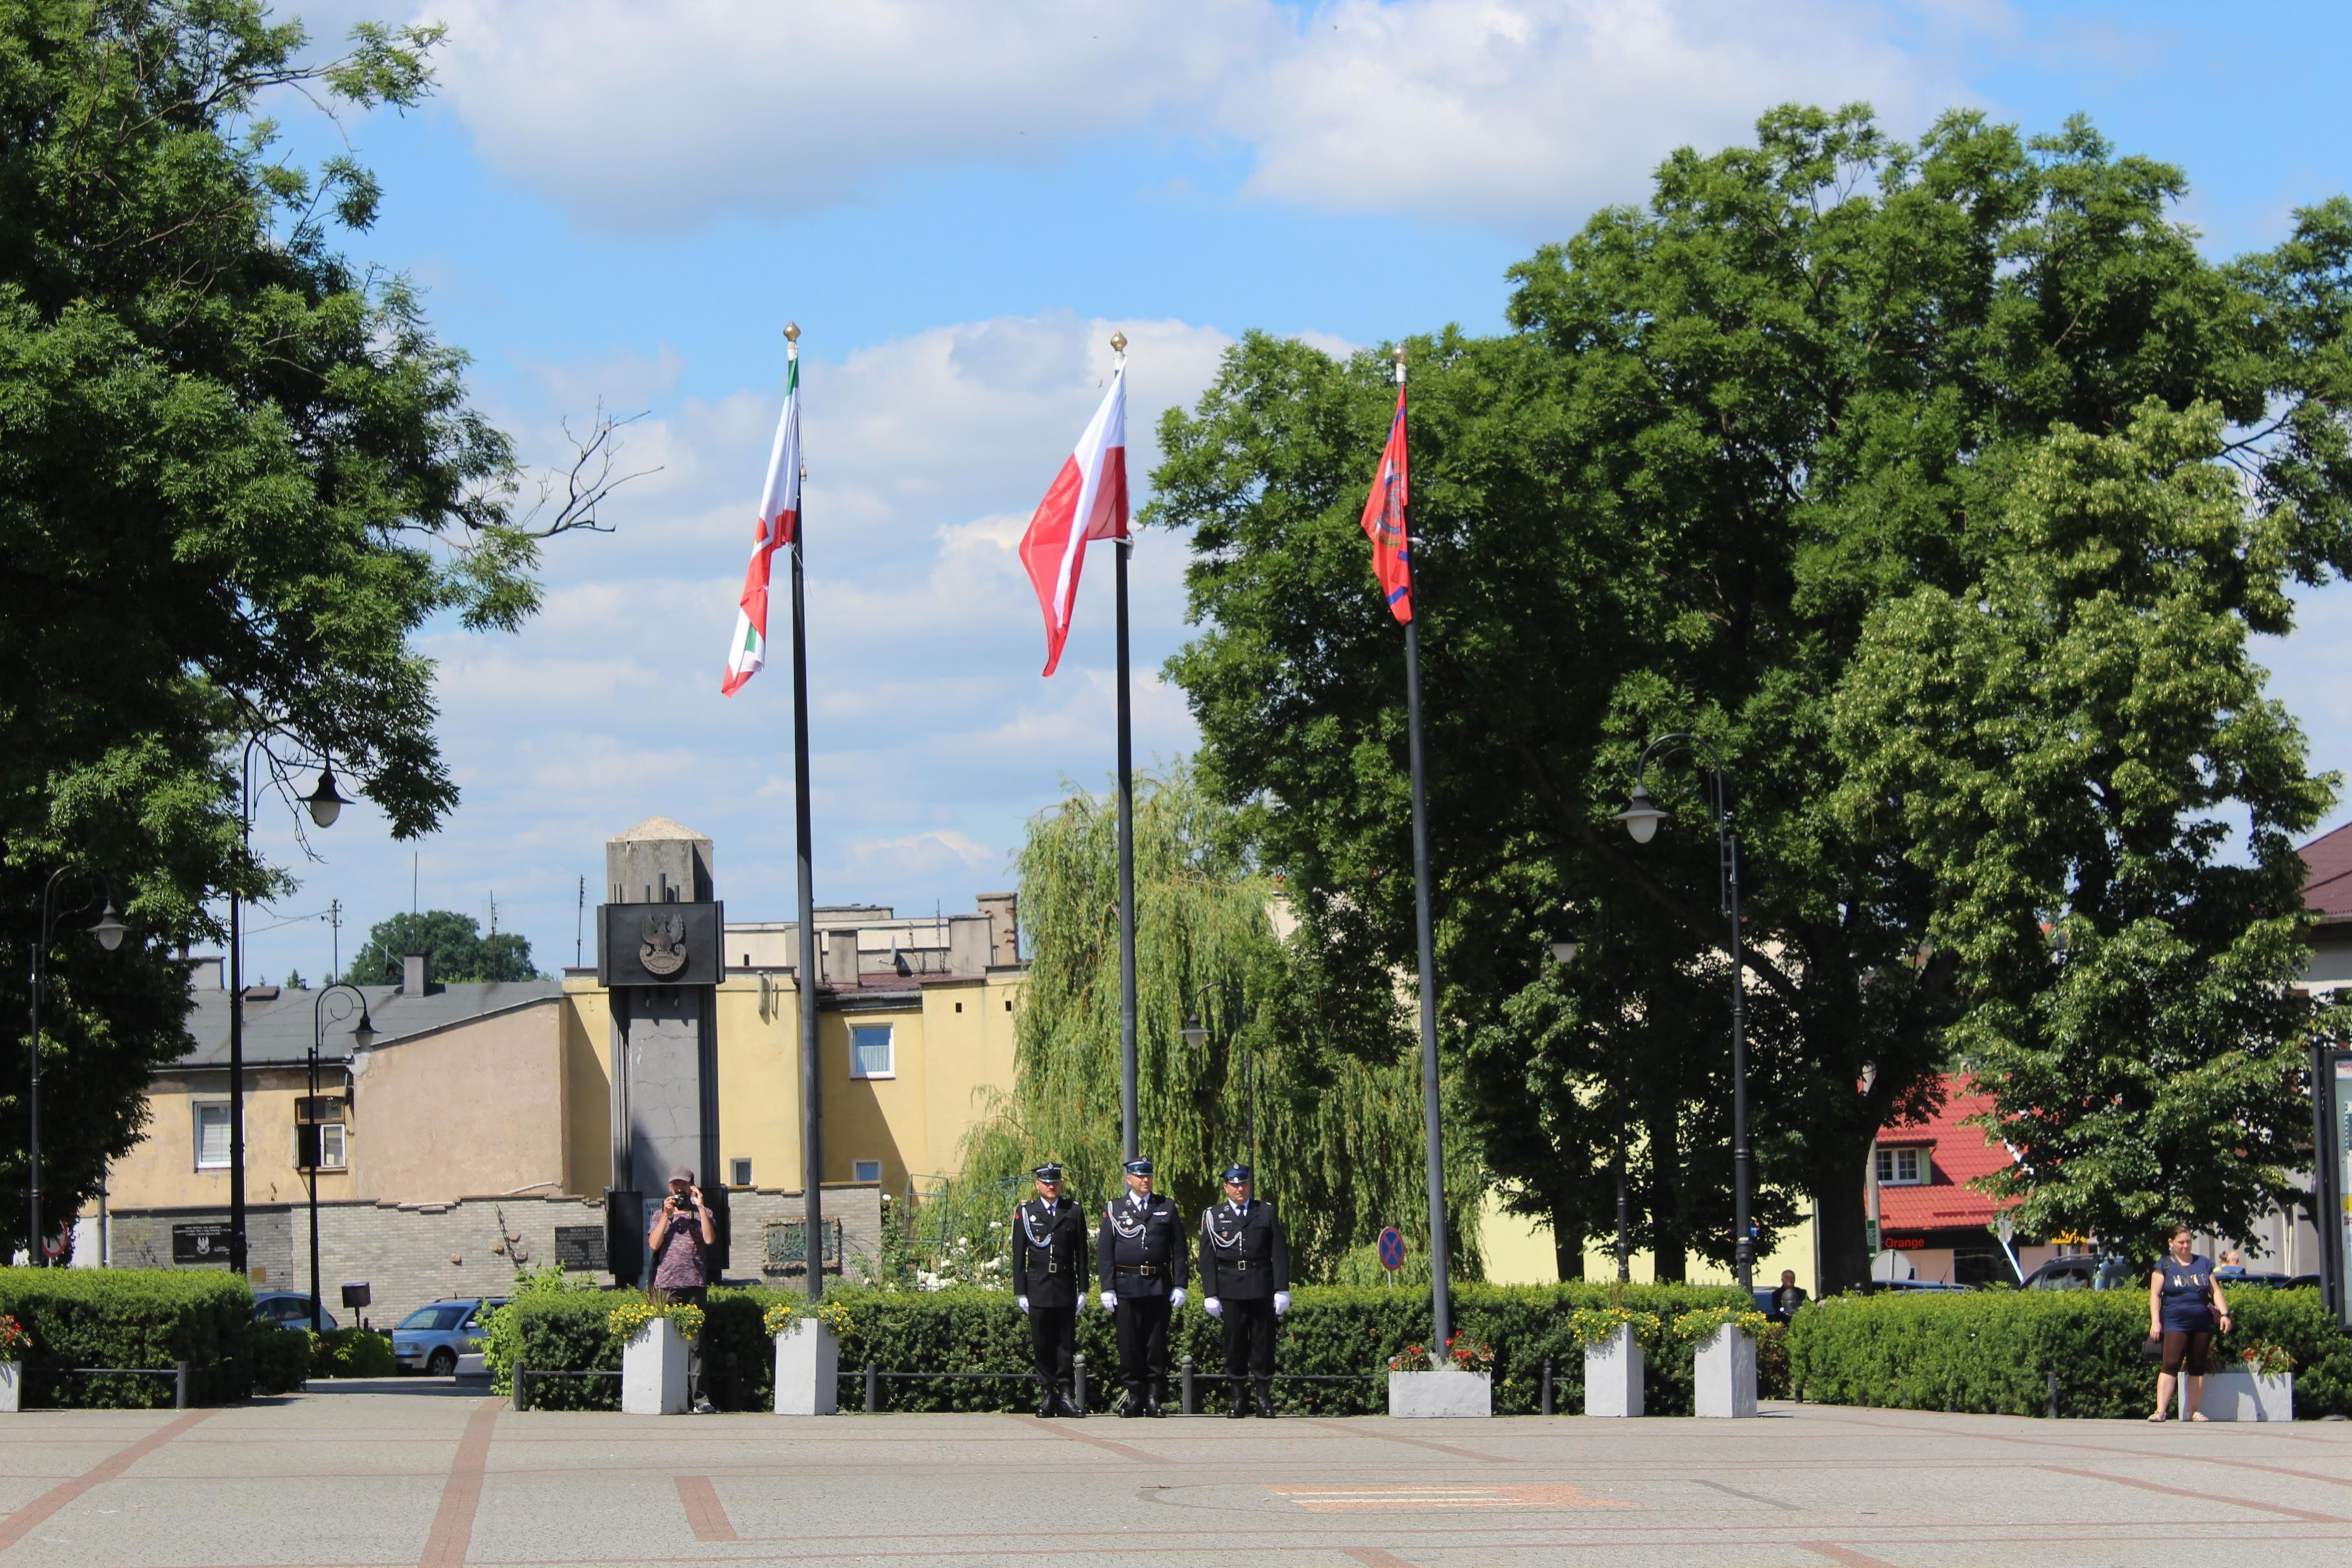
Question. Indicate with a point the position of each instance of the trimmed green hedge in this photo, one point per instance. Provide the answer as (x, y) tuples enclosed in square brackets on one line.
[(1328, 1330), (280, 1357), (1993, 1352), (352, 1353), (137, 1317)]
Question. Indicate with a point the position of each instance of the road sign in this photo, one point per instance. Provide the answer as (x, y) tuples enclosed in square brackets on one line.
[(1392, 1249)]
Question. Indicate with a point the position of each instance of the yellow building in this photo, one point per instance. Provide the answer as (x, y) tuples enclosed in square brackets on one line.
[(1519, 1251)]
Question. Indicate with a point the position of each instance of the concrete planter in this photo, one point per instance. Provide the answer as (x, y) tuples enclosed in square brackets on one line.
[(1724, 1375), (808, 1370), (1612, 1375), (2237, 1395), (653, 1371), (1441, 1393), (12, 1383)]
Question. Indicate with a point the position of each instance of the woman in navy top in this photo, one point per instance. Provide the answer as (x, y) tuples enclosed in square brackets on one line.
[(2185, 1305)]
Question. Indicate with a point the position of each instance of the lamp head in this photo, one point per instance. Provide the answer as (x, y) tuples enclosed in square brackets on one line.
[(363, 1031), (1642, 815), (1565, 950), (1194, 1031), (110, 928), (326, 802)]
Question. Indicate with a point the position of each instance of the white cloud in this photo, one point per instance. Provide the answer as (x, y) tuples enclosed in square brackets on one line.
[(1512, 112)]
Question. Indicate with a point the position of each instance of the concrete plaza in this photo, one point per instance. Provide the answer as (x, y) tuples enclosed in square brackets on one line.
[(436, 1475)]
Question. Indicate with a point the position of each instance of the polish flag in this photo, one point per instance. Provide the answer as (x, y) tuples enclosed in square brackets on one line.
[(1087, 501), (779, 524)]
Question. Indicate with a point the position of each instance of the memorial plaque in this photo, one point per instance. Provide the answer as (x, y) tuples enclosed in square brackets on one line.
[(200, 1242), (580, 1248), (660, 943), (788, 1252)]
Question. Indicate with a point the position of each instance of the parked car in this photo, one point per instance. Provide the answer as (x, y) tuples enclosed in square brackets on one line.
[(1912, 1287), (2267, 1282), (445, 1339), (287, 1310), (2087, 1273)]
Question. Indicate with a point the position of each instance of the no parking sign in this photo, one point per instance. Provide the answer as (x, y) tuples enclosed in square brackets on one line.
[(1391, 1253)]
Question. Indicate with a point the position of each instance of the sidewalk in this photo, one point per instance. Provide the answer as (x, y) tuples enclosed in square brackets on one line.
[(438, 1479)]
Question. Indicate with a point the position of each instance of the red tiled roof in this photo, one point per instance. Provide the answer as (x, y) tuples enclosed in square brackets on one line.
[(2327, 872), (1960, 1155)]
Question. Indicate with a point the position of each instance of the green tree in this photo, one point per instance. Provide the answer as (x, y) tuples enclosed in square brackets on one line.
[(237, 472), (454, 947), (1339, 1129), (1728, 432)]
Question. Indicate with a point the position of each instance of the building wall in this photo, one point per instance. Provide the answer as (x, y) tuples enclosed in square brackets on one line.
[(160, 1170), (474, 1108), (1519, 1251)]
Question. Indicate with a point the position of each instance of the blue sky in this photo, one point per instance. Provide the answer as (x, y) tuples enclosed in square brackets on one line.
[(959, 203)]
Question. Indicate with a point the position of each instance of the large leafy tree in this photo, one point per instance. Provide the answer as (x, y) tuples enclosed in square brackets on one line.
[(1728, 432), (454, 947), (237, 472)]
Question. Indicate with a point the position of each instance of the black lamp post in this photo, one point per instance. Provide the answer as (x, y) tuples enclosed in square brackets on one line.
[(1564, 949), (1195, 1032), (325, 803), (308, 1139), (1641, 816), (109, 932)]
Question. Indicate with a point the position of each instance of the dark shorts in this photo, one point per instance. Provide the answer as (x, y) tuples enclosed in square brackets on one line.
[(2190, 1347)]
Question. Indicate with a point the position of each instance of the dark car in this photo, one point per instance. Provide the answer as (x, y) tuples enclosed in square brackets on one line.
[(287, 1310), (445, 1339), (2087, 1273)]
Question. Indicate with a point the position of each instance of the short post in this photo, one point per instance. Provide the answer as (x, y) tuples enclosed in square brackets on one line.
[(521, 1399), (1078, 1378), (1546, 1385), (1187, 1366), (873, 1388), (2053, 1397), (179, 1385)]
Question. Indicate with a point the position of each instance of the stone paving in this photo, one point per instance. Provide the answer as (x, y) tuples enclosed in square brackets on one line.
[(421, 1475)]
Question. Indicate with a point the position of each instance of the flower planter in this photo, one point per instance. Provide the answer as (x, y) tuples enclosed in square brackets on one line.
[(653, 1371), (808, 1370), (2238, 1395), (1724, 1375), (1612, 1375), (1441, 1394), (12, 1382)]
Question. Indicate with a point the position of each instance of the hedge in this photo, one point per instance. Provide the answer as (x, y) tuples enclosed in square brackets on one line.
[(1328, 1330), (352, 1353), (144, 1318), (1994, 1352)]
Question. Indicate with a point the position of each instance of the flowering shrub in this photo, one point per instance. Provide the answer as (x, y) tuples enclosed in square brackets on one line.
[(2264, 1359), (834, 1314), (14, 1340), (1461, 1355), (1696, 1328), (1597, 1325), (632, 1318)]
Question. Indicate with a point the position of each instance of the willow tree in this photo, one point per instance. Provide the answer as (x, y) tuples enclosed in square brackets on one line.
[(1337, 1093)]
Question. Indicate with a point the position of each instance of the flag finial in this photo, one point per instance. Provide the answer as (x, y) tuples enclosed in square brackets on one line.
[(1399, 357), (792, 331), (1118, 342)]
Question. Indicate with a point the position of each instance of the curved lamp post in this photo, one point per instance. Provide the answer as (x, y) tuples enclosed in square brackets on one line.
[(325, 803), (109, 931), (1641, 816), (1195, 1033), (362, 1036)]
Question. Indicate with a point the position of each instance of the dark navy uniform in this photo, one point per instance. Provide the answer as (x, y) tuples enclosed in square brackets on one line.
[(1140, 1253), (1049, 1271), (1244, 1265)]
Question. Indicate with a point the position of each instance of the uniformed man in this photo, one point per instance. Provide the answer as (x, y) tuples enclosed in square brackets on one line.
[(1049, 1281), (1245, 1282), (1140, 1253)]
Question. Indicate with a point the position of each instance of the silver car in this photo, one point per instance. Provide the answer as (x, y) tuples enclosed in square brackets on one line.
[(445, 1339)]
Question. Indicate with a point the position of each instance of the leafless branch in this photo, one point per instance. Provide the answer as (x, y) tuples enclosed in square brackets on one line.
[(596, 472)]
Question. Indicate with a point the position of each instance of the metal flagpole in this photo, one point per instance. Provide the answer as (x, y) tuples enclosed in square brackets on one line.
[(812, 1118), (1127, 1105), (1441, 1301)]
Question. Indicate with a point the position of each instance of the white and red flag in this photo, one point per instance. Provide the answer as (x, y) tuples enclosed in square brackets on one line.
[(1087, 501), (779, 521)]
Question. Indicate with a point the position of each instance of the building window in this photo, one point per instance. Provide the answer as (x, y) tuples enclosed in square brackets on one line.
[(740, 1173), (866, 1170), (1902, 1167), (869, 1051), (212, 1135), (331, 1146)]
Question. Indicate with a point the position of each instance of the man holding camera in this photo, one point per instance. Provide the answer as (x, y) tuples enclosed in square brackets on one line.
[(1140, 1253), (1049, 1282), (679, 1244)]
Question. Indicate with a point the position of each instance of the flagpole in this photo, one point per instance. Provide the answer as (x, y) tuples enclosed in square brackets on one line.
[(1127, 1131), (1441, 1303), (812, 1119)]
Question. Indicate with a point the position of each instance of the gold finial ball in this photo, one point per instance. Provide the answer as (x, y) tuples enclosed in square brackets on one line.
[(792, 331), (1399, 356), (1118, 342)]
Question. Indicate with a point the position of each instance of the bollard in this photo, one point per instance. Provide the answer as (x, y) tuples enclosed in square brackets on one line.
[(1546, 1385), (179, 1385), (1078, 1376), (873, 1388), (522, 1399), (2053, 1397), (1187, 1386)]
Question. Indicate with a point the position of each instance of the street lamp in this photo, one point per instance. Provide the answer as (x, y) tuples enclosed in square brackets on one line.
[(325, 801), (362, 1036), (1564, 950), (109, 931), (1196, 1033), (1641, 816)]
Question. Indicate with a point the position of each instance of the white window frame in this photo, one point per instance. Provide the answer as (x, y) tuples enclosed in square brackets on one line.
[(889, 1049), (196, 1109), (341, 1147), (857, 1169), (1892, 1161)]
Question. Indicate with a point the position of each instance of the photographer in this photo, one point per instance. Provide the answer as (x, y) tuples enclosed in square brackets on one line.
[(679, 1242)]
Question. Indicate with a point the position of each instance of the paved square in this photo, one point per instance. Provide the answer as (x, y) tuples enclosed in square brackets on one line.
[(434, 1477)]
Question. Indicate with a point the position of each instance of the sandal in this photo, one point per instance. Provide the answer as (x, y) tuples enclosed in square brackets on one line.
[(2198, 1416), (2160, 1417)]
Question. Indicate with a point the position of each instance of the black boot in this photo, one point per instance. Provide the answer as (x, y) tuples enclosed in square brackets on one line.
[(1151, 1408), (1132, 1406), (1071, 1404), (1241, 1401), (1049, 1403), (1266, 1397)]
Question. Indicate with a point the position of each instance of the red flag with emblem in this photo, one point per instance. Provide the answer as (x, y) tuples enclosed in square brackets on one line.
[(1384, 520)]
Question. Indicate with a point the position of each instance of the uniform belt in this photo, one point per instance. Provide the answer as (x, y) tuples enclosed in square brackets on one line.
[(1144, 1268), (1240, 1265)]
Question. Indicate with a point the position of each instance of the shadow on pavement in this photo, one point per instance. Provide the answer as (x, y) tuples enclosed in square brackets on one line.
[(419, 1387)]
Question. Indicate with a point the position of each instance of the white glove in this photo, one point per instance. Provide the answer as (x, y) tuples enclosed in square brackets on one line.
[(1175, 1298), (1082, 1301), (1281, 1303), (1215, 1308), (1111, 1300), (1023, 1303)]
